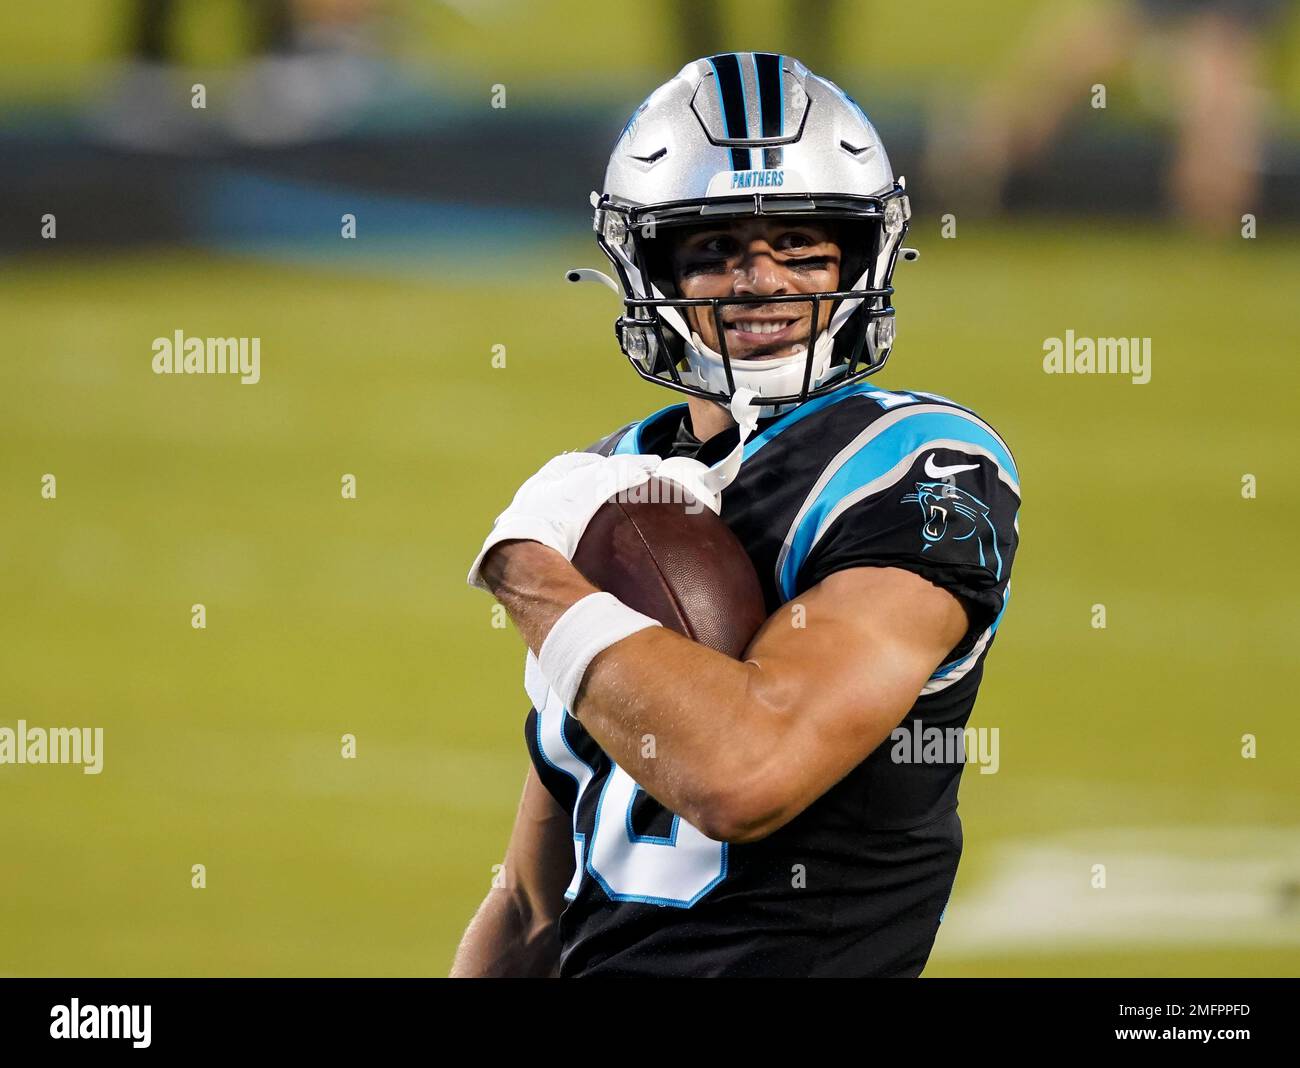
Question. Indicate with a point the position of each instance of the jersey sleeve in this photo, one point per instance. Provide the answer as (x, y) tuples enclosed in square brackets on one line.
[(606, 445), (933, 493)]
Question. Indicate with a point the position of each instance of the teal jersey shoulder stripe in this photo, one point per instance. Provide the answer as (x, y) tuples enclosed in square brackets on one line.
[(882, 397), (630, 443)]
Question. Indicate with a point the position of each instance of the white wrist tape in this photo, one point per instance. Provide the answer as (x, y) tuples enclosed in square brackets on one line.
[(588, 628)]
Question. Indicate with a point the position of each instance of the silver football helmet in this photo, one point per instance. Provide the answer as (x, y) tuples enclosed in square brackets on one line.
[(750, 134)]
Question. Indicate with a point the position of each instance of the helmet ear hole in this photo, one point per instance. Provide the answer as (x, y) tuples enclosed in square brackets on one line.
[(639, 342), (879, 342)]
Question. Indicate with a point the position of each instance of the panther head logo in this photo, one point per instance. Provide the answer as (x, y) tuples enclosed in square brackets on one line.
[(952, 514)]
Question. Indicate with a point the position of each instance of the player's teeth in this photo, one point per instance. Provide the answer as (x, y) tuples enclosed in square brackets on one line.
[(761, 326)]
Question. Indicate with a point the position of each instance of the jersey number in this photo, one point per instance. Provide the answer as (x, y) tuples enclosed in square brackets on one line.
[(677, 869)]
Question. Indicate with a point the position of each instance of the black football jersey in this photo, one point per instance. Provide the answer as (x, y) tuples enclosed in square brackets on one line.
[(857, 884)]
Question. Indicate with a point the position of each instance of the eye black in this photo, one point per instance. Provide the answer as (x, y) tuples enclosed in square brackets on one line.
[(812, 263)]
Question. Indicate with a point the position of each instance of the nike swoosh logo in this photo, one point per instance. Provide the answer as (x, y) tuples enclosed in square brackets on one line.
[(935, 471)]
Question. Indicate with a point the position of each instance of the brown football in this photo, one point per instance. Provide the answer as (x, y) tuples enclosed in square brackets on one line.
[(676, 562)]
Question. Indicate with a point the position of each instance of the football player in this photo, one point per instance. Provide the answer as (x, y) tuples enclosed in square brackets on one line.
[(753, 222)]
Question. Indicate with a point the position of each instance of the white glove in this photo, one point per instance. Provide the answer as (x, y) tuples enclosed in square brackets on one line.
[(556, 504)]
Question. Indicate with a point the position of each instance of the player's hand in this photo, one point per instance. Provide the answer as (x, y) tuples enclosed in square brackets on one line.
[(556, 504)]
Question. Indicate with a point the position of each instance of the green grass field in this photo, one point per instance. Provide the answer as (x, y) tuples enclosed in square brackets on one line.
[(222, 746)]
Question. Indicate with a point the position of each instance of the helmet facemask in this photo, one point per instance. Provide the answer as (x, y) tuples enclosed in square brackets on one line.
[(655, 334)]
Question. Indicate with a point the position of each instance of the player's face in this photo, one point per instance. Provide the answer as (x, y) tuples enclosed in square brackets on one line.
[(757, 257)]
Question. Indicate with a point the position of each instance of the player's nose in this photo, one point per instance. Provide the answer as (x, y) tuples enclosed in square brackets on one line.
[(761, 275)]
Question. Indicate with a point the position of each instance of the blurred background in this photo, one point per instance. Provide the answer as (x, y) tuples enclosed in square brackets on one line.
[(464, 137)]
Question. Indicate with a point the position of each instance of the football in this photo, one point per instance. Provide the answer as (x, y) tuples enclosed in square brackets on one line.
[(670, 557)]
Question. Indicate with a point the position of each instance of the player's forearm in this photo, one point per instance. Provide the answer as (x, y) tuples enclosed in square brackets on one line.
[(686, 723), (501, 942), (680, 718), (535, 585)]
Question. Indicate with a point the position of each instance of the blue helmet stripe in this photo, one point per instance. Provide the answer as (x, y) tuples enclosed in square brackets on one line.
[(771, 104), (731, 98)]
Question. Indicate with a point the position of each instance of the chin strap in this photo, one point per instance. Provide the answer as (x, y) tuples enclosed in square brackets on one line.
[(779, 375), (745, 413), (707, 483)]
